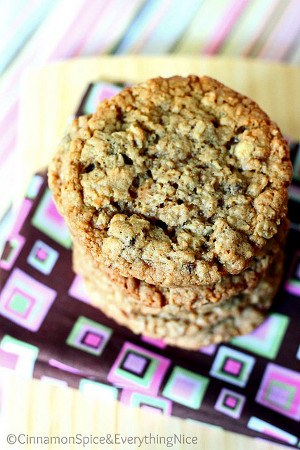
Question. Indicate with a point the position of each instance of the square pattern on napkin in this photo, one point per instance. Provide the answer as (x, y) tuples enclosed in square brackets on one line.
[(49, 331)]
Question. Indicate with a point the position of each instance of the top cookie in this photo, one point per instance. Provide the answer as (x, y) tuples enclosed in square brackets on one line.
[(175, 181)]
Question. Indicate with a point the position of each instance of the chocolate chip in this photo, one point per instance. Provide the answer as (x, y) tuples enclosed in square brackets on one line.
[(241, 130), (161, 224), (136, 182), (127, 160), (89, 168)]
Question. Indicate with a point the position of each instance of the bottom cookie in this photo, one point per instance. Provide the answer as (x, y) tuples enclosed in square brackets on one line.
[(190, 330)]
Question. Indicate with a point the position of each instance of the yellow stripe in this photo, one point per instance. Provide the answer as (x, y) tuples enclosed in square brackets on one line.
[(202, 26)]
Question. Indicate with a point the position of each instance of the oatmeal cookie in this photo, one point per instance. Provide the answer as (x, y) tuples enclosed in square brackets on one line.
[(191, 297), (190, 330), (173, 181)]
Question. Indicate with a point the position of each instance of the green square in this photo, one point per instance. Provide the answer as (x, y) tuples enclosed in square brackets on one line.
[(74, 337), (196, 399), (19, 303)]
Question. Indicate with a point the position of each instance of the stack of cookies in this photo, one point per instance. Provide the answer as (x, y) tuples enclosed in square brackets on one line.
[(175, 193)]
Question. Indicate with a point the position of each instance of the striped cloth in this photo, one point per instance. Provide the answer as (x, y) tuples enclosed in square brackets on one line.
[(36, 32)]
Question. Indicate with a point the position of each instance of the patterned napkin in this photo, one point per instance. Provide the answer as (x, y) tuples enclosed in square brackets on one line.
[(49, 331)]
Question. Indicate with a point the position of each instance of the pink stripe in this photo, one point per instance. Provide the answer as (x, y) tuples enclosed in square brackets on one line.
[(71, 36), (21, 216), (64, 367), (224, 26), (112, 28), (275, 435), (7, 121), (260, 28), (122, 14), (8, 131), (7, 135), (283, 34), (106, 6), (15, 77), (9, 117), (156, 18), (9, 146), (11, 89)]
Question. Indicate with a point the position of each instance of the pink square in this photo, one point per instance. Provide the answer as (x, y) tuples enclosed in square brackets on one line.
[(77, 289), (41, 254), (93, 340), (117, 375), (52, 213), (231, 402), (232, 367), (106, 92), (8, 359), (280, 391)]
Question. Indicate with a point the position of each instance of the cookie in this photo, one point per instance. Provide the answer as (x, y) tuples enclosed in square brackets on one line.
[(129, 303), (190, 330), (186, 297), (173, 181)]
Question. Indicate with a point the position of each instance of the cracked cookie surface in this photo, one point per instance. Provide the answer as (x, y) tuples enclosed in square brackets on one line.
[(187, 298), (173, 181)]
